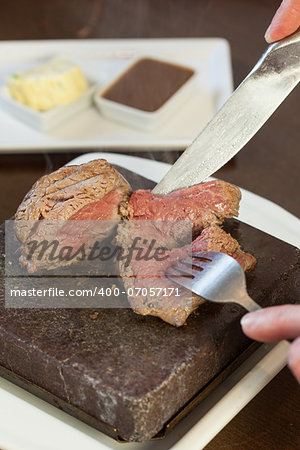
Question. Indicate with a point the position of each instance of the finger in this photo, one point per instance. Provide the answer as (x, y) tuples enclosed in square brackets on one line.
[(294, 358), (273, 324), (285, 21)]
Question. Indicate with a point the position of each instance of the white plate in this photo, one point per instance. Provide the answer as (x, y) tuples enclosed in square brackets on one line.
[(28, 423), (106, 59)]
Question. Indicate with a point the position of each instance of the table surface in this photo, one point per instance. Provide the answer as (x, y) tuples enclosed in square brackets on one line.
[(268, 165)]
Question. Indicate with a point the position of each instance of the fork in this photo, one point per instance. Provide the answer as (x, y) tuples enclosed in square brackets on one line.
[(214, 276)]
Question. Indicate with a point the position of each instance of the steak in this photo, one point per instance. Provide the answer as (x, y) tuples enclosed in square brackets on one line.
[(92, 191), (143, 273), (73, 203)]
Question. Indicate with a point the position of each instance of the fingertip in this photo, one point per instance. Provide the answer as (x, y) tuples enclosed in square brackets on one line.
[(294, 358), (273, 323), (246, 321), (250, 324), (268, 36), (249, 320)]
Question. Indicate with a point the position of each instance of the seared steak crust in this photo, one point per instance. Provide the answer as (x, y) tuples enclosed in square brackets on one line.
[(61, 194), (214, 239), (92, 191)]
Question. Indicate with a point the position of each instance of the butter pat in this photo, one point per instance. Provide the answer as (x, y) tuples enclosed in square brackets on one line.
[(58, 82)]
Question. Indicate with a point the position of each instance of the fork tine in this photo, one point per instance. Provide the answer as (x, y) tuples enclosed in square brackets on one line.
[(190, 262), (180, 269), (184, 267), (200, 257), (183, 281), (198, 263), (205, 255), (194, 262)]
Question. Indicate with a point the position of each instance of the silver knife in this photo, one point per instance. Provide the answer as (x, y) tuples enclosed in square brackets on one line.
[(249, 107)]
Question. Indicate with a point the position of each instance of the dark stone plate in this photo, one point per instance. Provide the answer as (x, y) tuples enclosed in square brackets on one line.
[(127, 374)]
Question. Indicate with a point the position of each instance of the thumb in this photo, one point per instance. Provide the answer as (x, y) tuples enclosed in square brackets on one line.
[(285, 21), (294, 358), (273, 324)]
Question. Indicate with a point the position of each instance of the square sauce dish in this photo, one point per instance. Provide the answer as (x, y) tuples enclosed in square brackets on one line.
[(146, 93)]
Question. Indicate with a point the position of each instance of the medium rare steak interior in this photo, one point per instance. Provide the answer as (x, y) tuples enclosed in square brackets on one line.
[(204, 204), (96, 192)]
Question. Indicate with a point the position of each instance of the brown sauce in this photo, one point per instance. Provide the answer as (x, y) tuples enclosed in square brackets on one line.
[(148, 84)]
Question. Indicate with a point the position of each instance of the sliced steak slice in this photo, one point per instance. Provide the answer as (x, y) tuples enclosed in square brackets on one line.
[(205, 204), (61, 194), (152, 274), (88, 192)]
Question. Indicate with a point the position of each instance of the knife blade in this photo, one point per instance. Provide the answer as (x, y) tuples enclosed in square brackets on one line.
[(270, 81)]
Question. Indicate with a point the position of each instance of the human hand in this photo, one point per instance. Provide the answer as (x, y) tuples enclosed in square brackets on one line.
[(274, 324), (285, 21)]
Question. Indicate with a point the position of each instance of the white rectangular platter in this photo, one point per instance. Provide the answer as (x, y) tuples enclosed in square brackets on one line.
[(103, 60)]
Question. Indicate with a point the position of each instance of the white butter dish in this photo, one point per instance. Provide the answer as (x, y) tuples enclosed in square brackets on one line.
[(50, 118)]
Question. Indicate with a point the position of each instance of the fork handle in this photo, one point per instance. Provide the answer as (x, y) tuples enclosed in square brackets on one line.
[(249, 304)]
